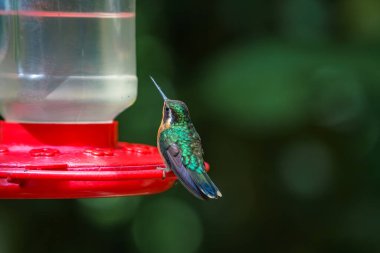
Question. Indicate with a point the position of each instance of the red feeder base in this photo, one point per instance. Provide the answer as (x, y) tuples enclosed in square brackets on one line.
[(76, 161)]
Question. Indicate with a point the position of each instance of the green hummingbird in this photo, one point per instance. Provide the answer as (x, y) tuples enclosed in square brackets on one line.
[(180, 147)]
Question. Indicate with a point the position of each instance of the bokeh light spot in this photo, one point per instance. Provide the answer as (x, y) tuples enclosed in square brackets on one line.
[(167, 226)]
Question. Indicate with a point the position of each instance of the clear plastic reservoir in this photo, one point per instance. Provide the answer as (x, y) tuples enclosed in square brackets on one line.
[(66, 60)]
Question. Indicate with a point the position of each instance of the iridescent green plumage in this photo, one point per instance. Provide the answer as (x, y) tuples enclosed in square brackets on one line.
[(188, 141), (180, 146)]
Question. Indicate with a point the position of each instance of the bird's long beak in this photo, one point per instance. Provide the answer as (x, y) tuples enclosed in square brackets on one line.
[(159, 89)]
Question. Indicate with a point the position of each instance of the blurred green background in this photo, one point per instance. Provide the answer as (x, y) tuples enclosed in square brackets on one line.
[(285, 94)]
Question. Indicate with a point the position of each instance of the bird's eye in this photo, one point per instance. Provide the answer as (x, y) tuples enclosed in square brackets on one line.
[(167, 109)]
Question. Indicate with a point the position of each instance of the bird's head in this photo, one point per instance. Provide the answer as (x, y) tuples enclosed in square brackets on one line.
[(174, 111)]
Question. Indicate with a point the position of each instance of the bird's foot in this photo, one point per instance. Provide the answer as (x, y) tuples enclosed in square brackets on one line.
[(164, 171)]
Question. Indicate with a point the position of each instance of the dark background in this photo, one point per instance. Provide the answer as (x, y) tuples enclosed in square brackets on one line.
[(285, 94)]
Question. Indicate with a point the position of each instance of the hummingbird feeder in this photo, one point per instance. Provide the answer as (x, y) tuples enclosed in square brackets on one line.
[(67, 69)]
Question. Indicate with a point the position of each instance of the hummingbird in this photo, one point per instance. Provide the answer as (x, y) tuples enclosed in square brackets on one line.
[(180, 147)]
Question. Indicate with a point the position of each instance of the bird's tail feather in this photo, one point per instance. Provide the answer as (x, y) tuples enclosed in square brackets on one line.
[(204, 183)]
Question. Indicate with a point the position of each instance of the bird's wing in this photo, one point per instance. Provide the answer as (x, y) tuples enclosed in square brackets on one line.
[(199, 184), (199, 175), (172, 155)]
